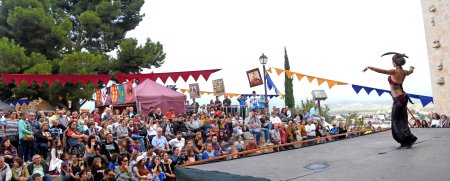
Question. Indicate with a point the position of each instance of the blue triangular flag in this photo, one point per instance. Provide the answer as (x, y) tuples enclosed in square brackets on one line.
[(380, 91), (425, 100), (368, 90), (357, 88)]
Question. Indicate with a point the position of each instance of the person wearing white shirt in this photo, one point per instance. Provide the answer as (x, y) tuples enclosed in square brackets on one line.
[(178, 141), (274, 119), (288, 112), (237, 124), (436, 122), (310, 130), (254, 100)]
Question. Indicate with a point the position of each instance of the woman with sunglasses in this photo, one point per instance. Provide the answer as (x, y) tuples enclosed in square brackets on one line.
[(123, 172)]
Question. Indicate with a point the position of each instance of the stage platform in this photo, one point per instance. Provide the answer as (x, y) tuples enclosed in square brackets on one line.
[(370, 157)]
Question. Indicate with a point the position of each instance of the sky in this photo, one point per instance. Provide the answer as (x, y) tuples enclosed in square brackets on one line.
[(324, 38)]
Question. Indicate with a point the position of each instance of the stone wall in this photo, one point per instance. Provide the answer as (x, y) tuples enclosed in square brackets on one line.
[(436, 14)]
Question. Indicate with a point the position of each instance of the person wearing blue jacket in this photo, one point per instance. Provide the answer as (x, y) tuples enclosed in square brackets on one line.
[(210, 152), (25, 146)]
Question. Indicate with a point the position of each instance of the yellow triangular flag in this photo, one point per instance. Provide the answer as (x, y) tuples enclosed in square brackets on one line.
[(310, 78), (320, 81), (269, 70), (331, 83), (341, 83), (289, 73), (183, 90), (279, 71), (299, 76), (280, 95)]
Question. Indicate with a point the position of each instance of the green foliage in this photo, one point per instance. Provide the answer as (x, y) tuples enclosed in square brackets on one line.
[(83, 63), (289, 88), (351, 116), (12, 57), (132, 57)]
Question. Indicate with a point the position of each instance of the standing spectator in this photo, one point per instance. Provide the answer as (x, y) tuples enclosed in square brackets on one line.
[(5, 171), (43, 137), (436, 122), (19, 171), (226, 104), (25, 139), (254, 100), (2, 125), (12, 129), (195, 105), (217, 103), (445, 121), (39, 167), (242, 105), (262, 102)]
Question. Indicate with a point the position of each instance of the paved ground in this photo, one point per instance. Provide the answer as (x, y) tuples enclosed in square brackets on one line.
[(372, 157)]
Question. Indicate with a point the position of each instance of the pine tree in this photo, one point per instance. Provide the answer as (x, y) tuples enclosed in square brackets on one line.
[(288, 88)]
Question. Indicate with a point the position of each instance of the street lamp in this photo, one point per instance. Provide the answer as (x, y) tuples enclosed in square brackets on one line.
[(263, 61)]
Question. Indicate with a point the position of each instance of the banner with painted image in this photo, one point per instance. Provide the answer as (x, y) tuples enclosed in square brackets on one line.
[(254, 77), (194, 90), (218, 87)]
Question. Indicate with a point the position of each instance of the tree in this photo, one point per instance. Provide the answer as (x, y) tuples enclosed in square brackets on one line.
[(132, 57), (70, 37), (289, 88), (351, 116)]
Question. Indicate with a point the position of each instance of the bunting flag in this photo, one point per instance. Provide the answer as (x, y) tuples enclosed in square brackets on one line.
[(121, 93), (320, 81), (231, 95), (51, 79), (269, 70), (271, 85), (85, 79), (165, 76), (424, 100), (114, 94), (129, 92), (98, 97)]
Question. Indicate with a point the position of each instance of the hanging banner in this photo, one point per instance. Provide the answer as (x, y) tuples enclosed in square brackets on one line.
[(121, 93), (218, 87), (98, 97), (104, 96), (114, 94), (129, 92), (254, 77), (194, 90)]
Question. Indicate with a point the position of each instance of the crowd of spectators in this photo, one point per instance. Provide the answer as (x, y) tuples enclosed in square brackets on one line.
[(127, 145), (437, 121)]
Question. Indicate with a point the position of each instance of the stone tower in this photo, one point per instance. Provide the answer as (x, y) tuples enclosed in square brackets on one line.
[(436, 14)]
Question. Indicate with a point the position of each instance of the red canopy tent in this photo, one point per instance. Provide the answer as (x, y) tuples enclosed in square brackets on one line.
[(149, 94)]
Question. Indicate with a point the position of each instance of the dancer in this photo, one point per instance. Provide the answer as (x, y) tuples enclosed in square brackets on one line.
[(399, 114)]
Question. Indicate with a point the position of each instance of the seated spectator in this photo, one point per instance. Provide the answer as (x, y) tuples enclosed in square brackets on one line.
[(445, 122), (134, 133), (166, 127), (275, 135), (104, 131), (149, 154), (66, 169), (239, 144), (76, 166), (122, 130), (8, 151), (341, 130), (5, 171), (190, 156), (140, 170), (178, 141), (156, 169), (114, 161), (167, 168), (39, 167), (123, 172), (19, 171), (110, 175), (237, 124), (56, 152), (251, 145), (160, 142), (310, 131), (265, 121), (110, 146), (274, 119), (97, 169), (210, 152), (43, 137), (75, 139), (255, 127), (436, 122), (223, 136)]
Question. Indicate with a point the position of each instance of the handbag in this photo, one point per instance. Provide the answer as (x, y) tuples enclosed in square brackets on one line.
[(28, 137)]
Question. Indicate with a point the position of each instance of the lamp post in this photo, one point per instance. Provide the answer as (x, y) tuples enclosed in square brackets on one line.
[(263, 61)]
